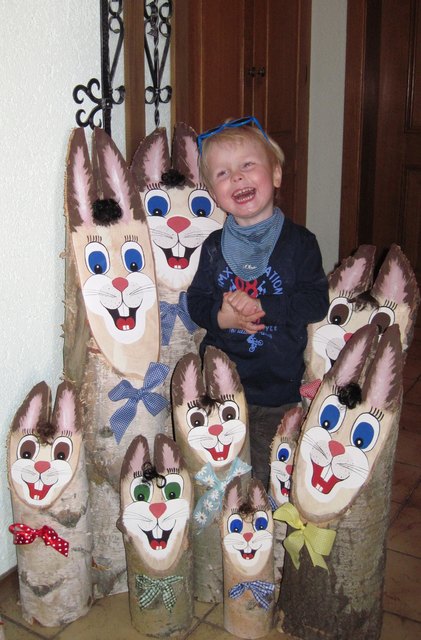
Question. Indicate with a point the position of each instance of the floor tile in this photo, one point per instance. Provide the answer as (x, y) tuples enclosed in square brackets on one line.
[(405, 479), (402, 586), (411, 367), (411, 418), (216, 616), (405, 533), (397, 628), (414, 394), (201, 609), (14, 631), (415, 499), (408, 448)]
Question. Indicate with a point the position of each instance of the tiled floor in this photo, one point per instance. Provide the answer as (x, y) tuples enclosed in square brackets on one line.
[(109, 618)]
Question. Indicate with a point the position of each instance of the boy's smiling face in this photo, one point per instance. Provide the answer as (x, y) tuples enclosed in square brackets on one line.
[(243, 179)]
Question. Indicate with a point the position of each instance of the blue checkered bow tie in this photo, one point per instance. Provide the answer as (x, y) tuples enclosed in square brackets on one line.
[(262, 591), (169, 313), (154, 402)]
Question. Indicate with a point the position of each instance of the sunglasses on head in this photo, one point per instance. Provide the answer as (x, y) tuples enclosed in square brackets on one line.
[(229, 125)]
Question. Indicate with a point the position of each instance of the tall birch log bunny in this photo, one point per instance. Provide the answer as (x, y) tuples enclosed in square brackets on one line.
[(120, 378), (156, 506), (341, 494), (180, 214), (210, 421), (49, 490), (247, 540)]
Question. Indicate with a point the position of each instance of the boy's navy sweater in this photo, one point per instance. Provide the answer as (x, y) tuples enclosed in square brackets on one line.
[(293, 292)]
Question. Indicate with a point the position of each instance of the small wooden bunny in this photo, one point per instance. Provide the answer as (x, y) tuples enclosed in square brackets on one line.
[(210, 421), (156, 505), (49, 489), (341, 494), (247, 541)]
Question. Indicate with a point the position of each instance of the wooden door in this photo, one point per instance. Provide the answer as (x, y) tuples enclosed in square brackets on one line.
[(381, 195), (248, 57)]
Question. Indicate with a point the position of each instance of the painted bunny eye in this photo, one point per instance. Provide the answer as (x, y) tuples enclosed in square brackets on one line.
[(132, 255), (157, 203), (284, 452), (173, 487), (229, 411), (340, 311), (197, 417), (141, 491), (331, 414), (260, 521), (28, 447), (62, 448), (235, 524), (96, 258), (383, 318), (201, 204), (365, 432)]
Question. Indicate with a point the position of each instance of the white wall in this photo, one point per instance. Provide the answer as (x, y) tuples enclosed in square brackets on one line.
[(46, 48), (328, 48)]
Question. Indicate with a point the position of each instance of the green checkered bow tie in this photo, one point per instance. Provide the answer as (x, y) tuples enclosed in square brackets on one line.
[(153, 587)]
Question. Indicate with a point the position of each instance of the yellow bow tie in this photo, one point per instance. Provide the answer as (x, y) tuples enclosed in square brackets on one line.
[(319, 542)]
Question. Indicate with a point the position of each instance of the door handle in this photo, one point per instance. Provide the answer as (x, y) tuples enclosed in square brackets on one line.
[(251, 71), (261, 72)]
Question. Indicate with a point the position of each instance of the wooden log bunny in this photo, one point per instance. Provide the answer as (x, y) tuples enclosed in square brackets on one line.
[(156, 506), (120, 378), (210, 420), (180, 214), (50, 500), (354, 302), (341, 494), (247, 540)]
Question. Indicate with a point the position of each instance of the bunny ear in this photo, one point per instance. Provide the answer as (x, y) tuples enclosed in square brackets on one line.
[(290, 424), (233, 497), (167, 456), (79, 183), (137, 455), (187, 382), (220, 373), (114, 180), (353, 358), (65, 411), (355, 274), (34, 410), (151, 159), (257, 495), (382, 387), (185, 156)]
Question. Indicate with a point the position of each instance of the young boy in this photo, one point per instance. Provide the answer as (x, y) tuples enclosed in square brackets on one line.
[(260, 279)]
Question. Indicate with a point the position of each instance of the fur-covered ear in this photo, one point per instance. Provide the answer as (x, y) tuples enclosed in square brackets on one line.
[(65, 414), (167, 455), (34, 410), (354, 275), (187, 382), (257, 495), (79, 182), (353, 357), (151, 159), (233, 495), (185, 156), (396, 280), (221, 375), (137, 455), (382, 387), (290, 425)]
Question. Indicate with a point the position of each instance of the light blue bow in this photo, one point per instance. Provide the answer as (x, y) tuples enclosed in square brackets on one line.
[(154, 403), (169, 313), (211, 502), (262, 591)]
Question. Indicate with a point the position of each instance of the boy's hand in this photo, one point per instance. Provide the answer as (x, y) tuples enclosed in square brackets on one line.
[(239, 311)]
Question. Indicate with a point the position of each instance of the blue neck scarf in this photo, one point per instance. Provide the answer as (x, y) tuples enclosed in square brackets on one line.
[(247, 249)]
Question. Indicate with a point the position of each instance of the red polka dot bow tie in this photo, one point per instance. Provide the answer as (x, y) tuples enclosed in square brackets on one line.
[(22, 534)]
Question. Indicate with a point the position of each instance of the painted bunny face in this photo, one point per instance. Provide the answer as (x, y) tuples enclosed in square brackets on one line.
[(210, 420), (43, 454), (282, 455), (156, 503), (394, 298), (340, 442), (113, 254), (180, 211), (247, 528)]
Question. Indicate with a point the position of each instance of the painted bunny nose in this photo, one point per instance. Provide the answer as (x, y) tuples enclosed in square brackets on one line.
[(347, 336), (42, 466), (247, 536), (157, 509), (178, 224), (215, 429), (336, 448), (289, 468), (120, 284)]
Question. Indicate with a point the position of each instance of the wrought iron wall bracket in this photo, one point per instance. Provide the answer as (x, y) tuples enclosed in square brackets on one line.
[(157, 23)]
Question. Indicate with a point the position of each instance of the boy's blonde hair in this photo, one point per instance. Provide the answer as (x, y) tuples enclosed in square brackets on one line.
[(237, 134)]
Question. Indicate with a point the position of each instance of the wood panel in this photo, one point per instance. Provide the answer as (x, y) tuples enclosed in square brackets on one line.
[(134, 75)]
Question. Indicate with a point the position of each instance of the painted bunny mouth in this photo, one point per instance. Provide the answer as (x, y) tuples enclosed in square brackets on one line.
[(284, 486), (158, 538), (178, 257), (248, 555), (219, 451), (38, 490), (124, 323), (326, 483)]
